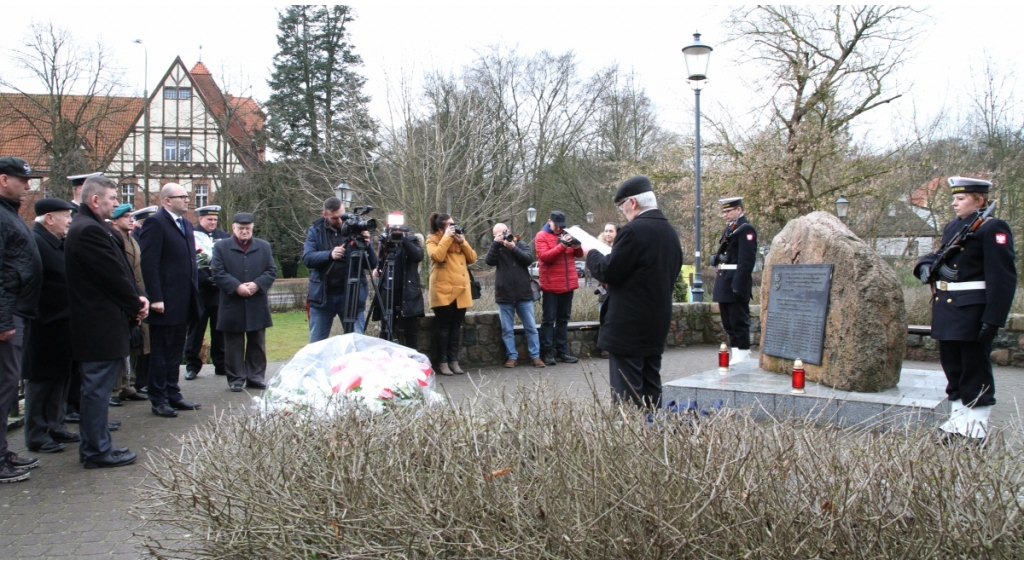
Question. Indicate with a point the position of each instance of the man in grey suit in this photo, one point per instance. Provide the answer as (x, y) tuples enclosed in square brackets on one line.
[(243, 267)]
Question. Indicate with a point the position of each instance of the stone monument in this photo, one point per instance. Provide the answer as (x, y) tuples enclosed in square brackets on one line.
[(866, 327)]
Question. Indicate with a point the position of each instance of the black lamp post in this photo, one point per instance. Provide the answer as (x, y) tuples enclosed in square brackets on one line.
[(842, 208), (697, 56), (344, 193), (531, 217), (145, 125)]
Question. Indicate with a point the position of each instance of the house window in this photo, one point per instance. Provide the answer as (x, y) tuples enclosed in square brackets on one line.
[(170, 93), (202, 193), (184, 93), (177, 149), (127, 193)]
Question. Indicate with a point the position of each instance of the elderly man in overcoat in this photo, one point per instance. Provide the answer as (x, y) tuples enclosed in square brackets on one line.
[(46, 362), (641, 271), (243, 267), (171, 275), (105, 302)]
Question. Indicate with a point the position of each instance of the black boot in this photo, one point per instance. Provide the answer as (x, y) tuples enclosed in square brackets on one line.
[(442, 346), (453, 351)]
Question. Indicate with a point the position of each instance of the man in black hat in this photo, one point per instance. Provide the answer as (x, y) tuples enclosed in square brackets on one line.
[(244, 270), (737, 251), (21, 275), (556, 257), (139, 216), (46, 362), (973, 277), (641, 271), (206, 234), (77, 181)]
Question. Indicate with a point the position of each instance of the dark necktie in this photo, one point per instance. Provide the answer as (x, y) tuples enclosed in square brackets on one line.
[(181, 225)]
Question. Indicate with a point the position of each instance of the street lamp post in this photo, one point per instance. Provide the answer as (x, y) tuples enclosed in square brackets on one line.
[(145, 124), (344, 193), (590, 217), (697, 55), (842, 208), (531, 217)]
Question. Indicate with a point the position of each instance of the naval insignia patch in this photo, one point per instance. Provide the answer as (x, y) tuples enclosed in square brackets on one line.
[(750, 236), (1001, 238)]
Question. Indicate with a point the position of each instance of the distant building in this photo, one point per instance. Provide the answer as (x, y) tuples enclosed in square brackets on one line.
[(197, 136)]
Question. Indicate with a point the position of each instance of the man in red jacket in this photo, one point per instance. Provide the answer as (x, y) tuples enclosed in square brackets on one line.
[(556, 253)]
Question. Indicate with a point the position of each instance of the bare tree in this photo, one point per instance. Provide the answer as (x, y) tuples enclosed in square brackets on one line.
[(70, 122)]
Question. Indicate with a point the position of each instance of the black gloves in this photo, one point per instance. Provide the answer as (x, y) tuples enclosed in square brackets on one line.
[(924, 272), (987, 333)]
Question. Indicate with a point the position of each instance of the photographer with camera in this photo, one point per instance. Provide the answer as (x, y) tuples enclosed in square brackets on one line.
[(557, 252), (407, 295), (512, 292), (450, 294), (330, 241)]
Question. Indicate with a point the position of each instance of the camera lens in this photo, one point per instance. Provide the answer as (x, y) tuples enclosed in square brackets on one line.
[(458, 229)]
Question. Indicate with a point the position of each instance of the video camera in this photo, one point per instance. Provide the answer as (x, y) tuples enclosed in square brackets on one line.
[(353, 224), (396, 230)]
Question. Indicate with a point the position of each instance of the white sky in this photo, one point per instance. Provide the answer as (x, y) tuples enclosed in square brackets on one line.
[(408, 38)]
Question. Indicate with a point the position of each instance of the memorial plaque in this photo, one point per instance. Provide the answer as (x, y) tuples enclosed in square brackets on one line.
[(797, 310)]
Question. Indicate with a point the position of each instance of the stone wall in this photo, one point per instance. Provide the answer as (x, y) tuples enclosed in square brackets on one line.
[(1007, 349), (692, 324)]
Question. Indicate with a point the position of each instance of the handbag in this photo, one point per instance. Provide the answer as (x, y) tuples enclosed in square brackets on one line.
[(475, 291)]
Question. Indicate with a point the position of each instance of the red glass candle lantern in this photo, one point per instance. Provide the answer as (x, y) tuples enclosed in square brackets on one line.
[(798, 376), (723, 358)]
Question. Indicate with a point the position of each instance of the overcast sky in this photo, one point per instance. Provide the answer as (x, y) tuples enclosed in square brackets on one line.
[(399, 39)]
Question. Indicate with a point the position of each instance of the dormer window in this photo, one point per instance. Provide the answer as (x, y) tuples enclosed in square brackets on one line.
[(173, 93)]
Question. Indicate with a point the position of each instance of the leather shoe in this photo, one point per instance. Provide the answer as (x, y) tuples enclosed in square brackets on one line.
[(256, 385), (538, 363), (185, 405), (191, 375), (113, 425), (115, 450), (48, 447), (510, 363), (568, 359), (114, 402), (164, 410), (136, 396), (550, 360), (65, 437), (111, 460), (72, 417), (236, 388)]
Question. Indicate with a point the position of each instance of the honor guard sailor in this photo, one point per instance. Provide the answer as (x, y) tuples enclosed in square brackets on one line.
[(77, 181), (206, 234), (737, 250), (973, 276)]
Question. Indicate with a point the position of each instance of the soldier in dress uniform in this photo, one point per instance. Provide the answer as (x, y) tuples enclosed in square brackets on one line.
[(973, 281), (140, 216), (206, 234), (737, 250), (77, 181)]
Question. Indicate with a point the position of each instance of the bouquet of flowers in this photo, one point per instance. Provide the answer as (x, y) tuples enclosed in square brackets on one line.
[(351, 371), (204, 249)]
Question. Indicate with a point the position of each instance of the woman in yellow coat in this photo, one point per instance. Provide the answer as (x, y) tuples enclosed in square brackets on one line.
[(450, 296)]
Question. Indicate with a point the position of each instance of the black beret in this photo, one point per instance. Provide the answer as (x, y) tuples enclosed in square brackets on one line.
[(631, 187), (50, 205), (243, 218)]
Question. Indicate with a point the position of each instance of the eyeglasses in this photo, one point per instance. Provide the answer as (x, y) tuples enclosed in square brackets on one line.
[(183, 197)]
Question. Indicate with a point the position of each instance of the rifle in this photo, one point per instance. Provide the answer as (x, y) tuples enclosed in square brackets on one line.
[(723, 244), (945, 252)]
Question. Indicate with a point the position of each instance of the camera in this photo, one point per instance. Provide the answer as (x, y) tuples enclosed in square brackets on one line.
[(509, 237), (458, 229), (353, 224), (568, 242)]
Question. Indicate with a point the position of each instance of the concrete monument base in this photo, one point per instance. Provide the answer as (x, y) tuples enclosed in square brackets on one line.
[(918, 399)]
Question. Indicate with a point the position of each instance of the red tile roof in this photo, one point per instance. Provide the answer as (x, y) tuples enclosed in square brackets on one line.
[(25, 123), (243, 115)]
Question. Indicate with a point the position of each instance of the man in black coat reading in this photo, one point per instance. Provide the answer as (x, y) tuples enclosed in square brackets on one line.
[(641, 271)]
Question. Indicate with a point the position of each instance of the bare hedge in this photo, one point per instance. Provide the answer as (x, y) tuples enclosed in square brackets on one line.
[(533, 476)]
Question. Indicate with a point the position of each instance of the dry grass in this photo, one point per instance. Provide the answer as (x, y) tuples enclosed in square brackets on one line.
[(537, 476)]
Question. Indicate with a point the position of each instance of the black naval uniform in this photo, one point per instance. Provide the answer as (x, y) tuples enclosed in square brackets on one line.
[(986, 256), (209, 297), (734, 285)]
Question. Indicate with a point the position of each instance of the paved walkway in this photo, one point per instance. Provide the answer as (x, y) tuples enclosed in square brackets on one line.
[(64, 511)]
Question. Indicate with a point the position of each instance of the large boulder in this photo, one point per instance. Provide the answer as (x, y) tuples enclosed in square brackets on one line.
[(866, 328)]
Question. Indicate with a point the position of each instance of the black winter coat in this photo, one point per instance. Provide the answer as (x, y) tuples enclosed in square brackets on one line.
[(47, 354), (408, 257), (103, 296), (986, 256), (231, 268), (741, 250), (169, 269), (641, 272), (512, 276), (21, 271)]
